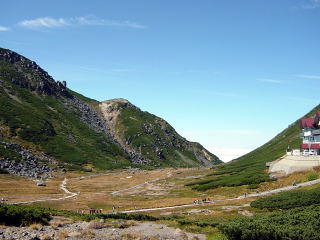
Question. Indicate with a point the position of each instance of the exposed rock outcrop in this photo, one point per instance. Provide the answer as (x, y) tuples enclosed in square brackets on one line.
[(24, 162), (149, 138), (31, 76), (87, 114)]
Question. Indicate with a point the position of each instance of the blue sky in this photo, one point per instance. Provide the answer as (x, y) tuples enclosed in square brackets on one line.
[(229, 74)]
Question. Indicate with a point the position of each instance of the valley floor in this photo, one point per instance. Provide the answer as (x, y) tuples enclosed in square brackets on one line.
[(158, 192)]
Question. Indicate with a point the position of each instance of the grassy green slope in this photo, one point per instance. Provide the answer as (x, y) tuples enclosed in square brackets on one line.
[(251, 168), (44, 123), (41, 114), (146, 132)]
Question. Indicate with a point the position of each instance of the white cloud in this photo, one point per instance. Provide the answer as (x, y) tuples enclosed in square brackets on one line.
[(44, 22), (3, 29), (49, 22), (307, 76), (94, 21), (312, 4), (268, 80)]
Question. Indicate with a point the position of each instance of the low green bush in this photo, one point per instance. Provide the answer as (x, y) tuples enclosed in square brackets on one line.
[(287, 200), (22, 215), (295, 224), (253, 186), (313, 176), (231, 180), (137, 217), (3, 171)]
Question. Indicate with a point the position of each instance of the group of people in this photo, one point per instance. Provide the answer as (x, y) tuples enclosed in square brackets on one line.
[(205, 200), (90, 210)]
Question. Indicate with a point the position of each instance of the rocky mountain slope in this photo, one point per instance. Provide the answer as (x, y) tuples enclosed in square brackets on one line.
[(151, 138), (60, 127)]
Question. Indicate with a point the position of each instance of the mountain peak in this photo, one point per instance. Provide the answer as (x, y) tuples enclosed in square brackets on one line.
[(28, 74), (117, 100)]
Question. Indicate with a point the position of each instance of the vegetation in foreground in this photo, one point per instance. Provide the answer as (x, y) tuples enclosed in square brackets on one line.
[(299, 223), (288, 200), (16, 215), (22, 215)]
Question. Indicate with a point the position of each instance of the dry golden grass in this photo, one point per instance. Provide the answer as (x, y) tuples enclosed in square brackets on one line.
[(114, 181), (60, 223), (297, 177), (62, 235), (96, 190), (46, 237), (132, 236), (15, 188), (35, 226)]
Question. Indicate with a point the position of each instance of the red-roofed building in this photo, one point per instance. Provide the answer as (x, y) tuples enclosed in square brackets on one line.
[(310, 135)]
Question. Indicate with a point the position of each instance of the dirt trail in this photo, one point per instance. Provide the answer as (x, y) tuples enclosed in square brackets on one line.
[(278, 190), (169, 174), (62, 187)]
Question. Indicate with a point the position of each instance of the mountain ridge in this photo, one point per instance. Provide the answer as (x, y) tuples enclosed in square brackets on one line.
[(41, 113)]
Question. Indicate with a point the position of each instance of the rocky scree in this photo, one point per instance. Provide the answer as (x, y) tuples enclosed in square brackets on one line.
[(24, 162)]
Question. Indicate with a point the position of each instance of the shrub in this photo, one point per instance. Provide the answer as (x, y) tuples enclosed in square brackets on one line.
[(299, 223), (313, 176), (231, 180), (287, 200), (3, 171), (253, 186), (22, 215)]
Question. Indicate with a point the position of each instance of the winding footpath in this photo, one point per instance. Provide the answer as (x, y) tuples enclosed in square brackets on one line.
[(62, 187), (169, 174), (265, 193), (72, 194)]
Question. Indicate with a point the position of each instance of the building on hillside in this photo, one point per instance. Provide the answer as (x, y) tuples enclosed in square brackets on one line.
[(305, 158), (310, 135)]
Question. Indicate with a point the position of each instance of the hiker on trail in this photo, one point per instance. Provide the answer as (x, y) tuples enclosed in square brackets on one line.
[(245, 194), (294, 183), (113, 208)]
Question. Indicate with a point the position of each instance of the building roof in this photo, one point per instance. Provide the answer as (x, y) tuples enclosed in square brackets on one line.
[(312, 146), (315, 146), (307, 123), (317, 118)]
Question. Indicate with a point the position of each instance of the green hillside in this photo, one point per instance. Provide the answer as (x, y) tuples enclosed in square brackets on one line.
[(152, 137), (42, 115), (251, 168), (45, 122)]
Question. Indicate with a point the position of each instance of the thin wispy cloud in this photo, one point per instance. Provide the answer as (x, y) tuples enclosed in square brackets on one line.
[(44, 22), (90, 20), (268, 80), (4, 29), (312, 4), (307, 76), (94, 21)]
